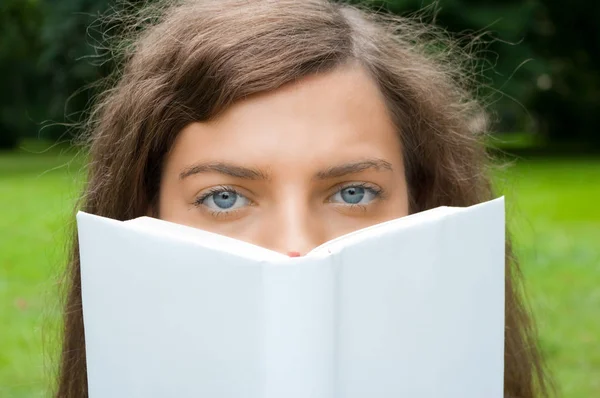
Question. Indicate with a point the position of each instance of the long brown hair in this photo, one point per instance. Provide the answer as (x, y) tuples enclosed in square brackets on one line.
[(187, 61)]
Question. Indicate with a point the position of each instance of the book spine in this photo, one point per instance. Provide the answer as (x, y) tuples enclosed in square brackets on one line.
[(299, 299)]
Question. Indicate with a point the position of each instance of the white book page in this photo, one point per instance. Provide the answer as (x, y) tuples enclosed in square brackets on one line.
[(164, 317), (231, 245), (420, 310), (381, 228), (411, 307), (205, 238)]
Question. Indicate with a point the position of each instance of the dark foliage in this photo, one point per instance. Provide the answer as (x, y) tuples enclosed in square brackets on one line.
[(541, 63)]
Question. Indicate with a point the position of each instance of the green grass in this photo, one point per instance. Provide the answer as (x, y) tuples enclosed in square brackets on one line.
[(37, 192), (552, 204)]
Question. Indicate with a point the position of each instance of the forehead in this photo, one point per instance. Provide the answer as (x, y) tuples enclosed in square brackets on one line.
[(322, 119)]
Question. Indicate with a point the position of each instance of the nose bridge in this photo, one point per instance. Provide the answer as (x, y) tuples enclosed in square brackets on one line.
[(297, 228)]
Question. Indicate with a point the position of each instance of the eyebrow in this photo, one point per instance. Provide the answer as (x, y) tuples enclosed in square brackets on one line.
[(248, 173), (354, 167), (229, 169)]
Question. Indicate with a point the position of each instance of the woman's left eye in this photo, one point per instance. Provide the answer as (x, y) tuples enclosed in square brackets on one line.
[(355, 195)]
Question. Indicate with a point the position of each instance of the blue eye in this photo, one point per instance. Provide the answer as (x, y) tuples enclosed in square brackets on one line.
[(355, 194), (223, 200)]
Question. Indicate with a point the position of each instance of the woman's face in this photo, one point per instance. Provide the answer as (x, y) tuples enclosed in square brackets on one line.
[(290, 169)]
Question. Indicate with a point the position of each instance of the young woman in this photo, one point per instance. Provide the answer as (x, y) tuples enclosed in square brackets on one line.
[(287, 123)]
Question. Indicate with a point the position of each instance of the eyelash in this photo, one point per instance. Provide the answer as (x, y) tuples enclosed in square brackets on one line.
[(377, 191)]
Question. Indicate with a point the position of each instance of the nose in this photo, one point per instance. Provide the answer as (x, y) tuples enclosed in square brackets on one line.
[(295, 230)]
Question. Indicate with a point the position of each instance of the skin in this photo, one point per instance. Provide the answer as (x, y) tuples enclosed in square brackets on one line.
[(290, 169)]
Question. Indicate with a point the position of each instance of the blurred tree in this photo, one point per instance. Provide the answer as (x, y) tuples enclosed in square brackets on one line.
[(542, 70), (45, 66), (567, 101), (19, 80), (503, 55), (68, 61), (546, 61)]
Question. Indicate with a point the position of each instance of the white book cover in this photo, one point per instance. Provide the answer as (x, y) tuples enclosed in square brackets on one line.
[(412, 307)]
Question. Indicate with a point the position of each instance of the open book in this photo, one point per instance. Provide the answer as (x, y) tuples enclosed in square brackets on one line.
[(412, 307)]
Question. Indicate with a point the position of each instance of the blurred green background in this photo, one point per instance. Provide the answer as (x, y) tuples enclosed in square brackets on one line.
[(541, 64)]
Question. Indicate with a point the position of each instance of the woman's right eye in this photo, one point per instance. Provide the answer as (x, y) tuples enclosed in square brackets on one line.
[(223, 200)]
